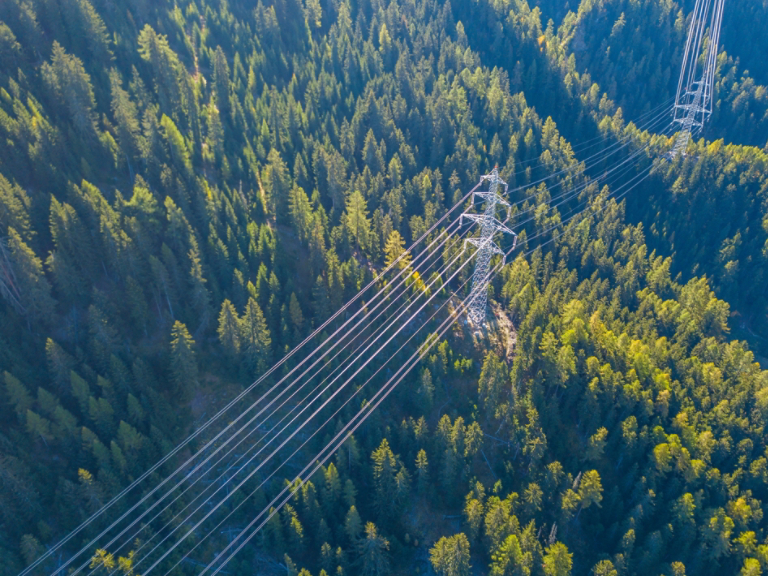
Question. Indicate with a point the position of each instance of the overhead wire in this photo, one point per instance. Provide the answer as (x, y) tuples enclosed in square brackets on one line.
[(368, 359), (274, 507), (611, 170), (590, 181), (300, 479), (281, 393), (237, 399), (221, 412), (351, 359), (595, 141), (249, 537), (422, 350), (603, 154), (643, 175), (617, 171), (292, 395), (313, 434)]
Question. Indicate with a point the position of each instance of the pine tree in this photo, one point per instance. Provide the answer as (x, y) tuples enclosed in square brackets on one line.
[(590, 490), (353, 525), (165, 64), (557, 560), (17, 394), (31, 284), (273, 531), (137, 302), (88, 30), (199, 297), (126, 116), (313, 12), (70, 85), (255, 339), (473, 512), (183, 360), (333, 490), (357, 220), (373, 550), (297, 318), (38, 427), (229, 329), (221, 75), (80, 390), (450, 556), (350, 492), (394, 248), (31, 549), (215, 131), (494, 381), (422, 471), (426, 388), (596, 445), (14, 209), (326, 556), (384, 471), (277, 185), (295, 535)]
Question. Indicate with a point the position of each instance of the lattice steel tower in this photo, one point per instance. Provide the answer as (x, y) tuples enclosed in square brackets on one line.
[(486, 247), (693, 102)]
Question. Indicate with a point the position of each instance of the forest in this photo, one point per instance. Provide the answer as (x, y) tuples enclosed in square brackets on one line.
[(188, 190)]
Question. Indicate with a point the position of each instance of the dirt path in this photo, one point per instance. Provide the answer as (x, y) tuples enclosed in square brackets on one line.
[(506, 330)]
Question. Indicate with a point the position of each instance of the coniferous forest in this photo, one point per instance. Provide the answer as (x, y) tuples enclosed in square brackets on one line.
[(188, 189)]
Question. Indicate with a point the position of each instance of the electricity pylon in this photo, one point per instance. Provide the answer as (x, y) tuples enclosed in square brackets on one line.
[(693, 102), (486, 247)]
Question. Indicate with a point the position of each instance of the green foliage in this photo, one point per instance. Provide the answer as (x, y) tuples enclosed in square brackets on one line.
[(183, 361), (450, 556), (185, 193), (557, 560), (373, 550)]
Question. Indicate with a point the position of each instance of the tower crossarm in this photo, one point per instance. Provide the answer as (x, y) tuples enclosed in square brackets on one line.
[(483, 244), (481, 219), (486, 195)]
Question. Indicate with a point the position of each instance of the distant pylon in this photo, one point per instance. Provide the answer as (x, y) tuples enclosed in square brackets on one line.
[(693, 102), (486, 247)]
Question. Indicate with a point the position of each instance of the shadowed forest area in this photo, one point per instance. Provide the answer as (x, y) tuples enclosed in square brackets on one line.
[(188, 189)]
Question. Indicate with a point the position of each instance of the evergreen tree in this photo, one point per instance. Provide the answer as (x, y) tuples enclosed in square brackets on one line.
[(353, 525), (422, 471), (557, 560), (183, 358), (70, 85), (357, 220), (255, 339), (384, 472), (393, 249), (373, 550), (229, 329), (450, 556), (31, 284)]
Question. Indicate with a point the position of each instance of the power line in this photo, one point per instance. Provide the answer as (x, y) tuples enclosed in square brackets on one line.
[(218, 415), (218, 436), (368, 359), (335, 443), (354, 356), (295, 485)]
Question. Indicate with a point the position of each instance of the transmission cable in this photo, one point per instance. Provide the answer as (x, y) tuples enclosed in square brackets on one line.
[(232, 403), (351, 359), (325, 403)]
